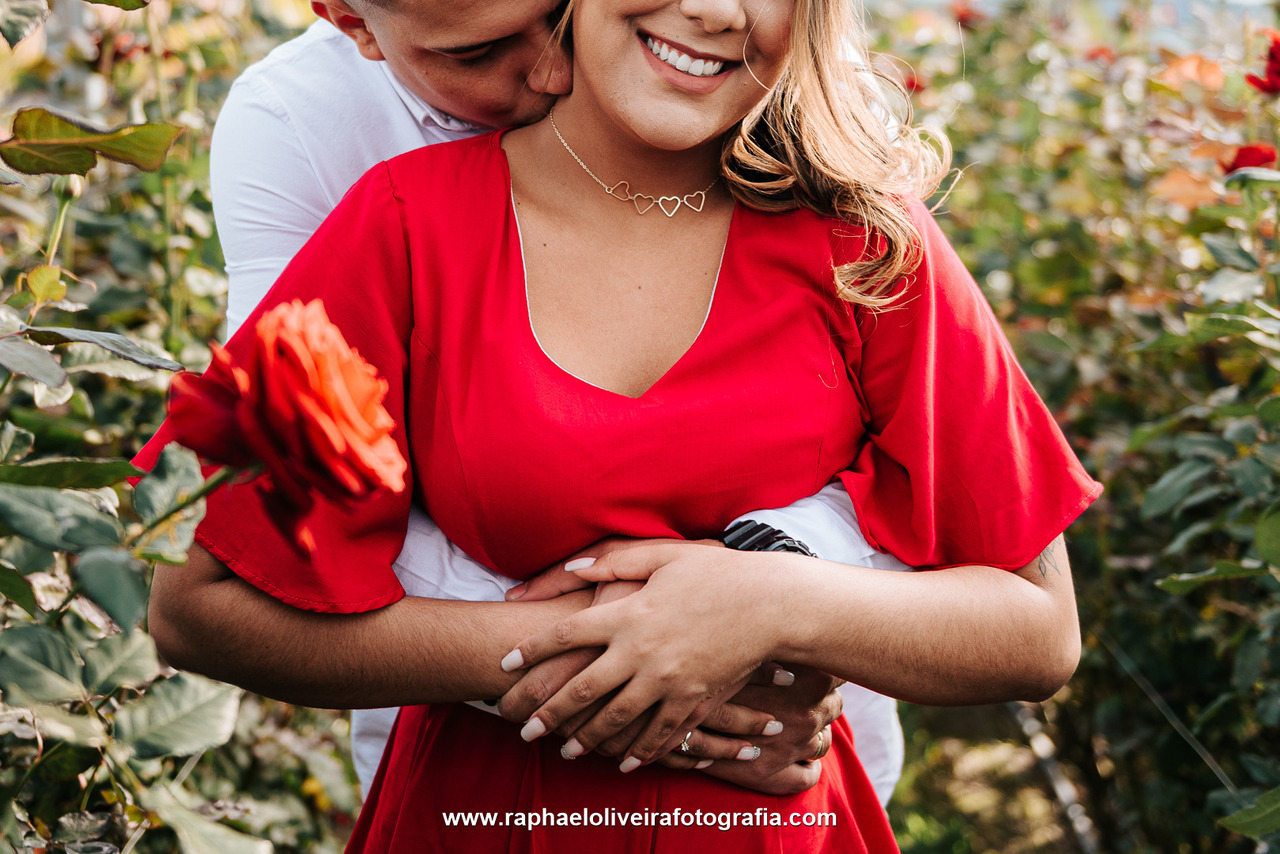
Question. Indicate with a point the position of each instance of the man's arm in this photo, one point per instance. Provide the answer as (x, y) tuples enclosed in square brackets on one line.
[(206, 619), (267, 200)]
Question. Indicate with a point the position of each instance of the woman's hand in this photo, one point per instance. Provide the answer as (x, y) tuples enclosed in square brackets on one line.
[(700, 624), (722, 719)]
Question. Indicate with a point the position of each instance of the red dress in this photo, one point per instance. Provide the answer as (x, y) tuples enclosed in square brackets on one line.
[(521, 464)]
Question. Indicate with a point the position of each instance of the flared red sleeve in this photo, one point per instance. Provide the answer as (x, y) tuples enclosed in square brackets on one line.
[(358, 264), (962, 462)]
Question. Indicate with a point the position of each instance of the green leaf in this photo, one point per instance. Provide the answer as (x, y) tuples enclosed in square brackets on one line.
[(1258, 820), (1189, 534), (1247, 668), (1266, 535), (1253, 176), (197, 834), (69, 473), (125, 660), (26, 556), (1176, 484), (176, 475), (81, 826), (22, 357), (19, 18), (1269, 410), (44, 142), (39, 663), (116, 581), (15, 587), (56, 520), (79, 358), (1231, 286), (46, 283), (178, 717), (1209, 327), (127, 5), (1227, 251), (1269, 454), (1221, 571), (1251, 477), (86, 730), (116, 344), (15, 443)]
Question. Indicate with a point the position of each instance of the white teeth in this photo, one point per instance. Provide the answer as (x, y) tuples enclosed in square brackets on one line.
[(681, 62)]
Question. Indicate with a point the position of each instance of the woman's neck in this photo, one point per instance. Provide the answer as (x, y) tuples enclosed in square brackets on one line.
[(596, 145)]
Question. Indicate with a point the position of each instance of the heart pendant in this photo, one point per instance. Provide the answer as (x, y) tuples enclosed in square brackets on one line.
[(649, 202), (675, 202), (620, 190), (701, 196)]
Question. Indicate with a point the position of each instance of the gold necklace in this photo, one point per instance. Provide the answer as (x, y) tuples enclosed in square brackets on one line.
[(643, 201)]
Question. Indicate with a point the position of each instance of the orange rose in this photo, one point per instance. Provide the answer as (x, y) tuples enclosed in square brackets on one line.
[(303, 404)]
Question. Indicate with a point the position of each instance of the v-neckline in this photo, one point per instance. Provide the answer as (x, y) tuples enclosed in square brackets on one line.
[(528, 313)]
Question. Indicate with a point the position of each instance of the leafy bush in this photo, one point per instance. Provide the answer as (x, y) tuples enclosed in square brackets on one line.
[(109, 273), (1138, 282)]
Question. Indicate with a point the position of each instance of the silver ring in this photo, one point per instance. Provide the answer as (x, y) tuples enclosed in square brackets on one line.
[(684, 742)]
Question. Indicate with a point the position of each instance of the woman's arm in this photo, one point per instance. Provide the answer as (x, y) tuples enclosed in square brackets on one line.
[(206, 619), (971, 634)]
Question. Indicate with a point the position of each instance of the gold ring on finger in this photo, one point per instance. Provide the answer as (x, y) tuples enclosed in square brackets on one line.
[(824, 742)]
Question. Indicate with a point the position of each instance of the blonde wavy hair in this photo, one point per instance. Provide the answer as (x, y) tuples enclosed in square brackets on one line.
[(834, 135), (829, 138)]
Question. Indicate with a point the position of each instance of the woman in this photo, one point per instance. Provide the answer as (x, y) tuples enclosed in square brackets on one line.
[(611, 320)]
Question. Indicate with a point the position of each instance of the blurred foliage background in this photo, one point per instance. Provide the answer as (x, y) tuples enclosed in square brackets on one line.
[(1116, 201)]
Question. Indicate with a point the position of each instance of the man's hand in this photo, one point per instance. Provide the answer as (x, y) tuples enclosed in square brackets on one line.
[(786, 764)]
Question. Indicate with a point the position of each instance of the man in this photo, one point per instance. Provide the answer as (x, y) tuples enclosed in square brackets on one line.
[(376, 78)]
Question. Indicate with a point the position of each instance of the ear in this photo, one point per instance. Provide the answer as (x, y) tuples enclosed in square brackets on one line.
[(351, 23)]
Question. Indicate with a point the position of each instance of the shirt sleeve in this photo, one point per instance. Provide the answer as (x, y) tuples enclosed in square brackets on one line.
[(357, 263), (963, 463), (267, 198)]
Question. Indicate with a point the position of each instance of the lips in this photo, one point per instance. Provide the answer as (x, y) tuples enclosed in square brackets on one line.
[(681, 61)]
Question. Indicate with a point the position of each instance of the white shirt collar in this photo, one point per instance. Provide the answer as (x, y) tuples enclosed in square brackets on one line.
[(424, 112)]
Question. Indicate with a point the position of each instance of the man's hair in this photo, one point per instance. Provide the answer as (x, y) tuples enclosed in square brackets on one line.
[(361, 5)]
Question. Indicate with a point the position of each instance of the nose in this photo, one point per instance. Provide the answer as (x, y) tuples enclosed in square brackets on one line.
[(552, 73), (716, 15)]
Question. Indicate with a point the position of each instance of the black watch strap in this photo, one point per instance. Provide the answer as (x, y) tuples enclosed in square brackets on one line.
[(751, 536)]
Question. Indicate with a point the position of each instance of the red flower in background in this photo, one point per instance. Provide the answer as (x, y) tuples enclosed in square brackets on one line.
[(304, 405), (1251, 155), (913, 84), (1269, 83), (1101, 53), (966, 15)]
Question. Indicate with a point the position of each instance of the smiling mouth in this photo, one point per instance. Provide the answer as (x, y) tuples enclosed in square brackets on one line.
[(682, 62)]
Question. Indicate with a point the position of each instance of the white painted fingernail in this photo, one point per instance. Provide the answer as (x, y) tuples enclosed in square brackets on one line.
[(629, 764), (571, 749), (579, 563), (513, 660), (773, 728), (533, 729), (706, 763), (749, 754), (783, 677)]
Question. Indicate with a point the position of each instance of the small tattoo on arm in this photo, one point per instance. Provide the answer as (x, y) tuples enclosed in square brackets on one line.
[(1047, 561)]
